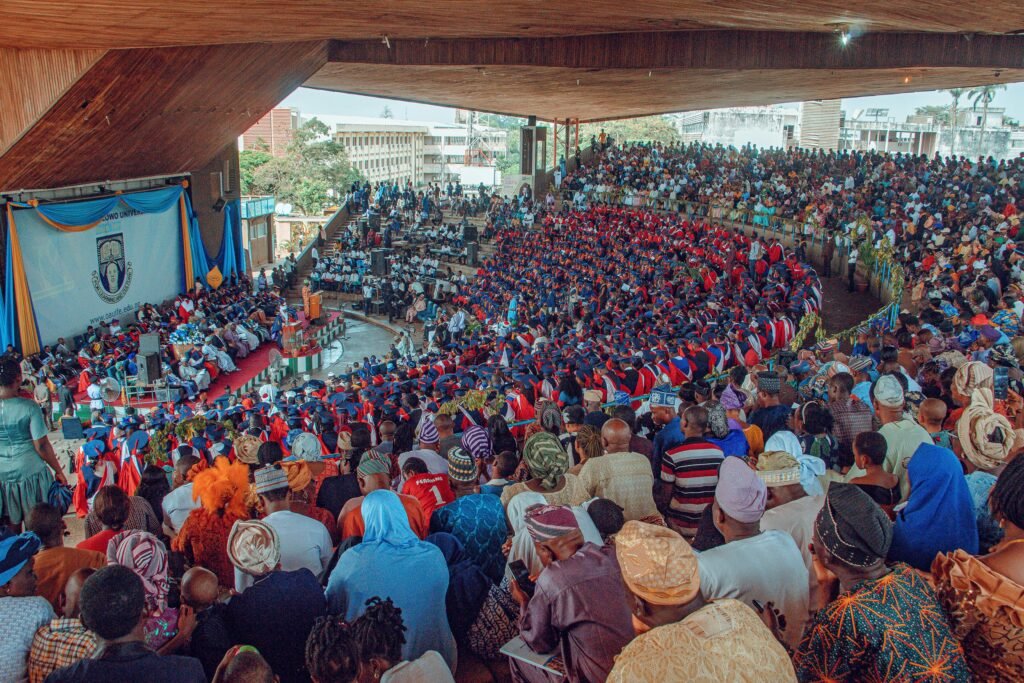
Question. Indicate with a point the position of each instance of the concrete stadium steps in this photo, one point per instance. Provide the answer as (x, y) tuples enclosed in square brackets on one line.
[(328, 249)]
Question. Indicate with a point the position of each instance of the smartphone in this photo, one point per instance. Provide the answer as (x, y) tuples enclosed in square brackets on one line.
[(521, 574), (1001, 383)]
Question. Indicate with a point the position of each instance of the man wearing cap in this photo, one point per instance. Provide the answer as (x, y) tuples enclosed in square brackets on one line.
[(902, 434), (680, 635), (770, 416), (476, 519), (277, 611), (794, 496), (753, 566), (903, 635), (578, 604), (305, 542), (663, 402)]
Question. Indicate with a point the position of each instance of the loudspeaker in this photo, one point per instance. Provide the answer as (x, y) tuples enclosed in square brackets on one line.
[(469, 233), (379, 262), (149, 343), (72, 428), (149, 367), (472, 253)]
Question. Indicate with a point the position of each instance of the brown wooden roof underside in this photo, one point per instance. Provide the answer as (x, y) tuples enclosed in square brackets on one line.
[(74, 24)]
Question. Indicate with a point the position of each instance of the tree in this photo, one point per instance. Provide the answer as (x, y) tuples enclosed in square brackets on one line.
[(984, 94), (386, 113), (313, 163), (249, 162), (642, 129), (935, 111), (956, 94)]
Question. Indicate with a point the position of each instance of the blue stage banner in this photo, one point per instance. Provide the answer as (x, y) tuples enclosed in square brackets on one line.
[(78, 279)]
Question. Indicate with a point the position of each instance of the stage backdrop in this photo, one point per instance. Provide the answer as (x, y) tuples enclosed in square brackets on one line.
[(80, 278)]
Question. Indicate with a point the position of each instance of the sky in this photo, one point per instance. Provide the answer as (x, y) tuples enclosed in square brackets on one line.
[(311, 102)]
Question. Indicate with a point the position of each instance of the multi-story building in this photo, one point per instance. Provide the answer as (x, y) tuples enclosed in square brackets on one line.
[(272, 133), (419, 151), (874, 129), (768, 126), (819, 124)]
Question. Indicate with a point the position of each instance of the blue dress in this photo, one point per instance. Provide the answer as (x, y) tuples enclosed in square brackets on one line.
[(478, 522), (391, 562)]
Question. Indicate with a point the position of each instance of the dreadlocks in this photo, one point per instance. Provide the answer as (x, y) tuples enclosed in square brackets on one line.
[(1007, 496), (588, 443), (331, 654), (379, 632)]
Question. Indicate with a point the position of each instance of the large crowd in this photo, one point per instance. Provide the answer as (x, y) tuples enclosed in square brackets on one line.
[(604, 463)]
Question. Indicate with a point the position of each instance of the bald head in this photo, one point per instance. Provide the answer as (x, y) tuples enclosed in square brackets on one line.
[(615, 436), (199, 588), (73, 590)]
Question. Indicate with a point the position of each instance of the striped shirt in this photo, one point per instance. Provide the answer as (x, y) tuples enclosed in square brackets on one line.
[(692, 469)]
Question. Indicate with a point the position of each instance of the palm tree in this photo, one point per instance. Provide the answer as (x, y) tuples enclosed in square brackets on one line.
[(984, 94), (956, 94)]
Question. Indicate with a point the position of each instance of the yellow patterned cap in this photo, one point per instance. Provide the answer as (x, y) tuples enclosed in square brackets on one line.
[(657, 564)]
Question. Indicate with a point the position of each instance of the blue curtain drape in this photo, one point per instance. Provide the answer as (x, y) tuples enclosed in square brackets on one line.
[(231, 258), (85, 213), (8, 316)]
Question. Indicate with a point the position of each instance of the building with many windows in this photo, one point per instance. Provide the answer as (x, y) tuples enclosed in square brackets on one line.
[(418, 151)]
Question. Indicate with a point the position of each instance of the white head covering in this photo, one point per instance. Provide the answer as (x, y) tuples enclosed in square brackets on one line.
[(811, 467)]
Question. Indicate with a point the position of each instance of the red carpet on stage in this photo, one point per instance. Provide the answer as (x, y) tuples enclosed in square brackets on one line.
[(248, 368)]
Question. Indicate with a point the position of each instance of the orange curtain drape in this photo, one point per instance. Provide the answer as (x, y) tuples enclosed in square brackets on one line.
[(186, 245), (27, 330)]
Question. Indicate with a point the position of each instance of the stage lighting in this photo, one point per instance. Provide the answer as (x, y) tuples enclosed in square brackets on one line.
[(844, 38)]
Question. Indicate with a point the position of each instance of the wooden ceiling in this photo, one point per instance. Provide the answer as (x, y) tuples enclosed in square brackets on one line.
[(72, 24), (602, 94), (114, 89), (140, 113)]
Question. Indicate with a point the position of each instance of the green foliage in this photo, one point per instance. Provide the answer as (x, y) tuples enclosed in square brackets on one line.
[(249, 161), (936, 111), (313, 164), (386, 113), (643, 129)]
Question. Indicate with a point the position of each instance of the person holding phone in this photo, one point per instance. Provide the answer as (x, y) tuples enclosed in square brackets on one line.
[(579, 600)]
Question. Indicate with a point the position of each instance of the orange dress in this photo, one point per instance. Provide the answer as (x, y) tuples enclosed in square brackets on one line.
[(203, 540)]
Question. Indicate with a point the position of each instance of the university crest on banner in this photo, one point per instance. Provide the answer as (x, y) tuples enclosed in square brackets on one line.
[(113, 276)]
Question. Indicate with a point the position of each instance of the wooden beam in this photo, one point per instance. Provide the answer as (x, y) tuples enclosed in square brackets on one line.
[(147, 112), (698, 50)]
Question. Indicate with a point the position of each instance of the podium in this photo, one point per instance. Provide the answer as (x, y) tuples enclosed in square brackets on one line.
[(315, 305), (292, 338)]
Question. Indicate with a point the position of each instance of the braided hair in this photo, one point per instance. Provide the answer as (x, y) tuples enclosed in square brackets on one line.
[(588, 443), (379, 632), (331, 653), (10, 371), (1007, 496)]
